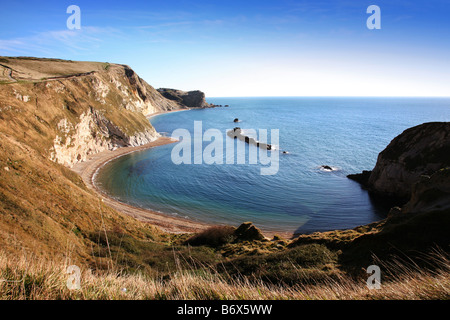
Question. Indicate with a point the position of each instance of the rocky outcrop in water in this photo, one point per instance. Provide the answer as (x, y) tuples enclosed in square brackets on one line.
[(421, 150), (236, 133)]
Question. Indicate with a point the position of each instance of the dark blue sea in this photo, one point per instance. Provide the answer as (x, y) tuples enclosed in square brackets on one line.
[(301, 197)]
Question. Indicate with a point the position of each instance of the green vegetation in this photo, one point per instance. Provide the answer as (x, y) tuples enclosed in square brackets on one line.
[(213, 237), (312, 263), (153, 257)]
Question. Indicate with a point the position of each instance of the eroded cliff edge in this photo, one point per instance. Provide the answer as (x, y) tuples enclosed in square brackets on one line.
[(191, 99), (70, 110), (414, 172), (414, 161), (53, 114)]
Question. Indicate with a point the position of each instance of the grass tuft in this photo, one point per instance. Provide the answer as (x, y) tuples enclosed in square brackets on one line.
[(32, 277)]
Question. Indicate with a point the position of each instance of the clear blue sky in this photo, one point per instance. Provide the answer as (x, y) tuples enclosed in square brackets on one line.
[(248, 48)]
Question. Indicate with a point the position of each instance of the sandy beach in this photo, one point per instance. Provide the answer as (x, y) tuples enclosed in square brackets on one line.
[(168, 223), (88, 169), (149, 116)]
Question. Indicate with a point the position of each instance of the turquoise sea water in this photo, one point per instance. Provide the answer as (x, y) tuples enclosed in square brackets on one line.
[(344, 133)]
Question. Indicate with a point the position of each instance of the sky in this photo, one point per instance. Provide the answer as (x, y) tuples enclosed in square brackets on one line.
[(248, 48)]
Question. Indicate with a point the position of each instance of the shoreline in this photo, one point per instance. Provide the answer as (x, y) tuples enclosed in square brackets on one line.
[(167, 223), (151, 115), (171, 224)]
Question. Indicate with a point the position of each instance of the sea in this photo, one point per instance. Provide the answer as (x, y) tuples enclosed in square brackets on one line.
[(299, 195)]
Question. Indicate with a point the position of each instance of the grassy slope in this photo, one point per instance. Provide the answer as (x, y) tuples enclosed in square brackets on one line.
[(35, 69), (48, 214), (45, 208), (47, 280), (35, 122)]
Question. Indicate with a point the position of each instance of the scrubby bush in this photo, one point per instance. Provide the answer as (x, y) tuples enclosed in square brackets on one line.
[(214, 237)]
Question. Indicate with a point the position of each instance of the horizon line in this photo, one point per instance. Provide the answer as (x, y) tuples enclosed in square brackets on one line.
[(208, 97)]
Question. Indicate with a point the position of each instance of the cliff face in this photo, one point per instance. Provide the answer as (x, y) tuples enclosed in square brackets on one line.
[(191, 99), (70, 110), (421, 150), (53, 114), (430, 193), (94, 133)]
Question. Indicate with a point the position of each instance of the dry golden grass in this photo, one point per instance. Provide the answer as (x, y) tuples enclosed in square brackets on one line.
[(30, 109), (35, 69), (30, 277), (46, 209), (50, 220)]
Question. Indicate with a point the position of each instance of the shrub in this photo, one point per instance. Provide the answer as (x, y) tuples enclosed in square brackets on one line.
[(214, 237)]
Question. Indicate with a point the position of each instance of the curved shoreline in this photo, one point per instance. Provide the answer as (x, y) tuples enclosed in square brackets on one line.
[(167, 223), (89, 168)]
